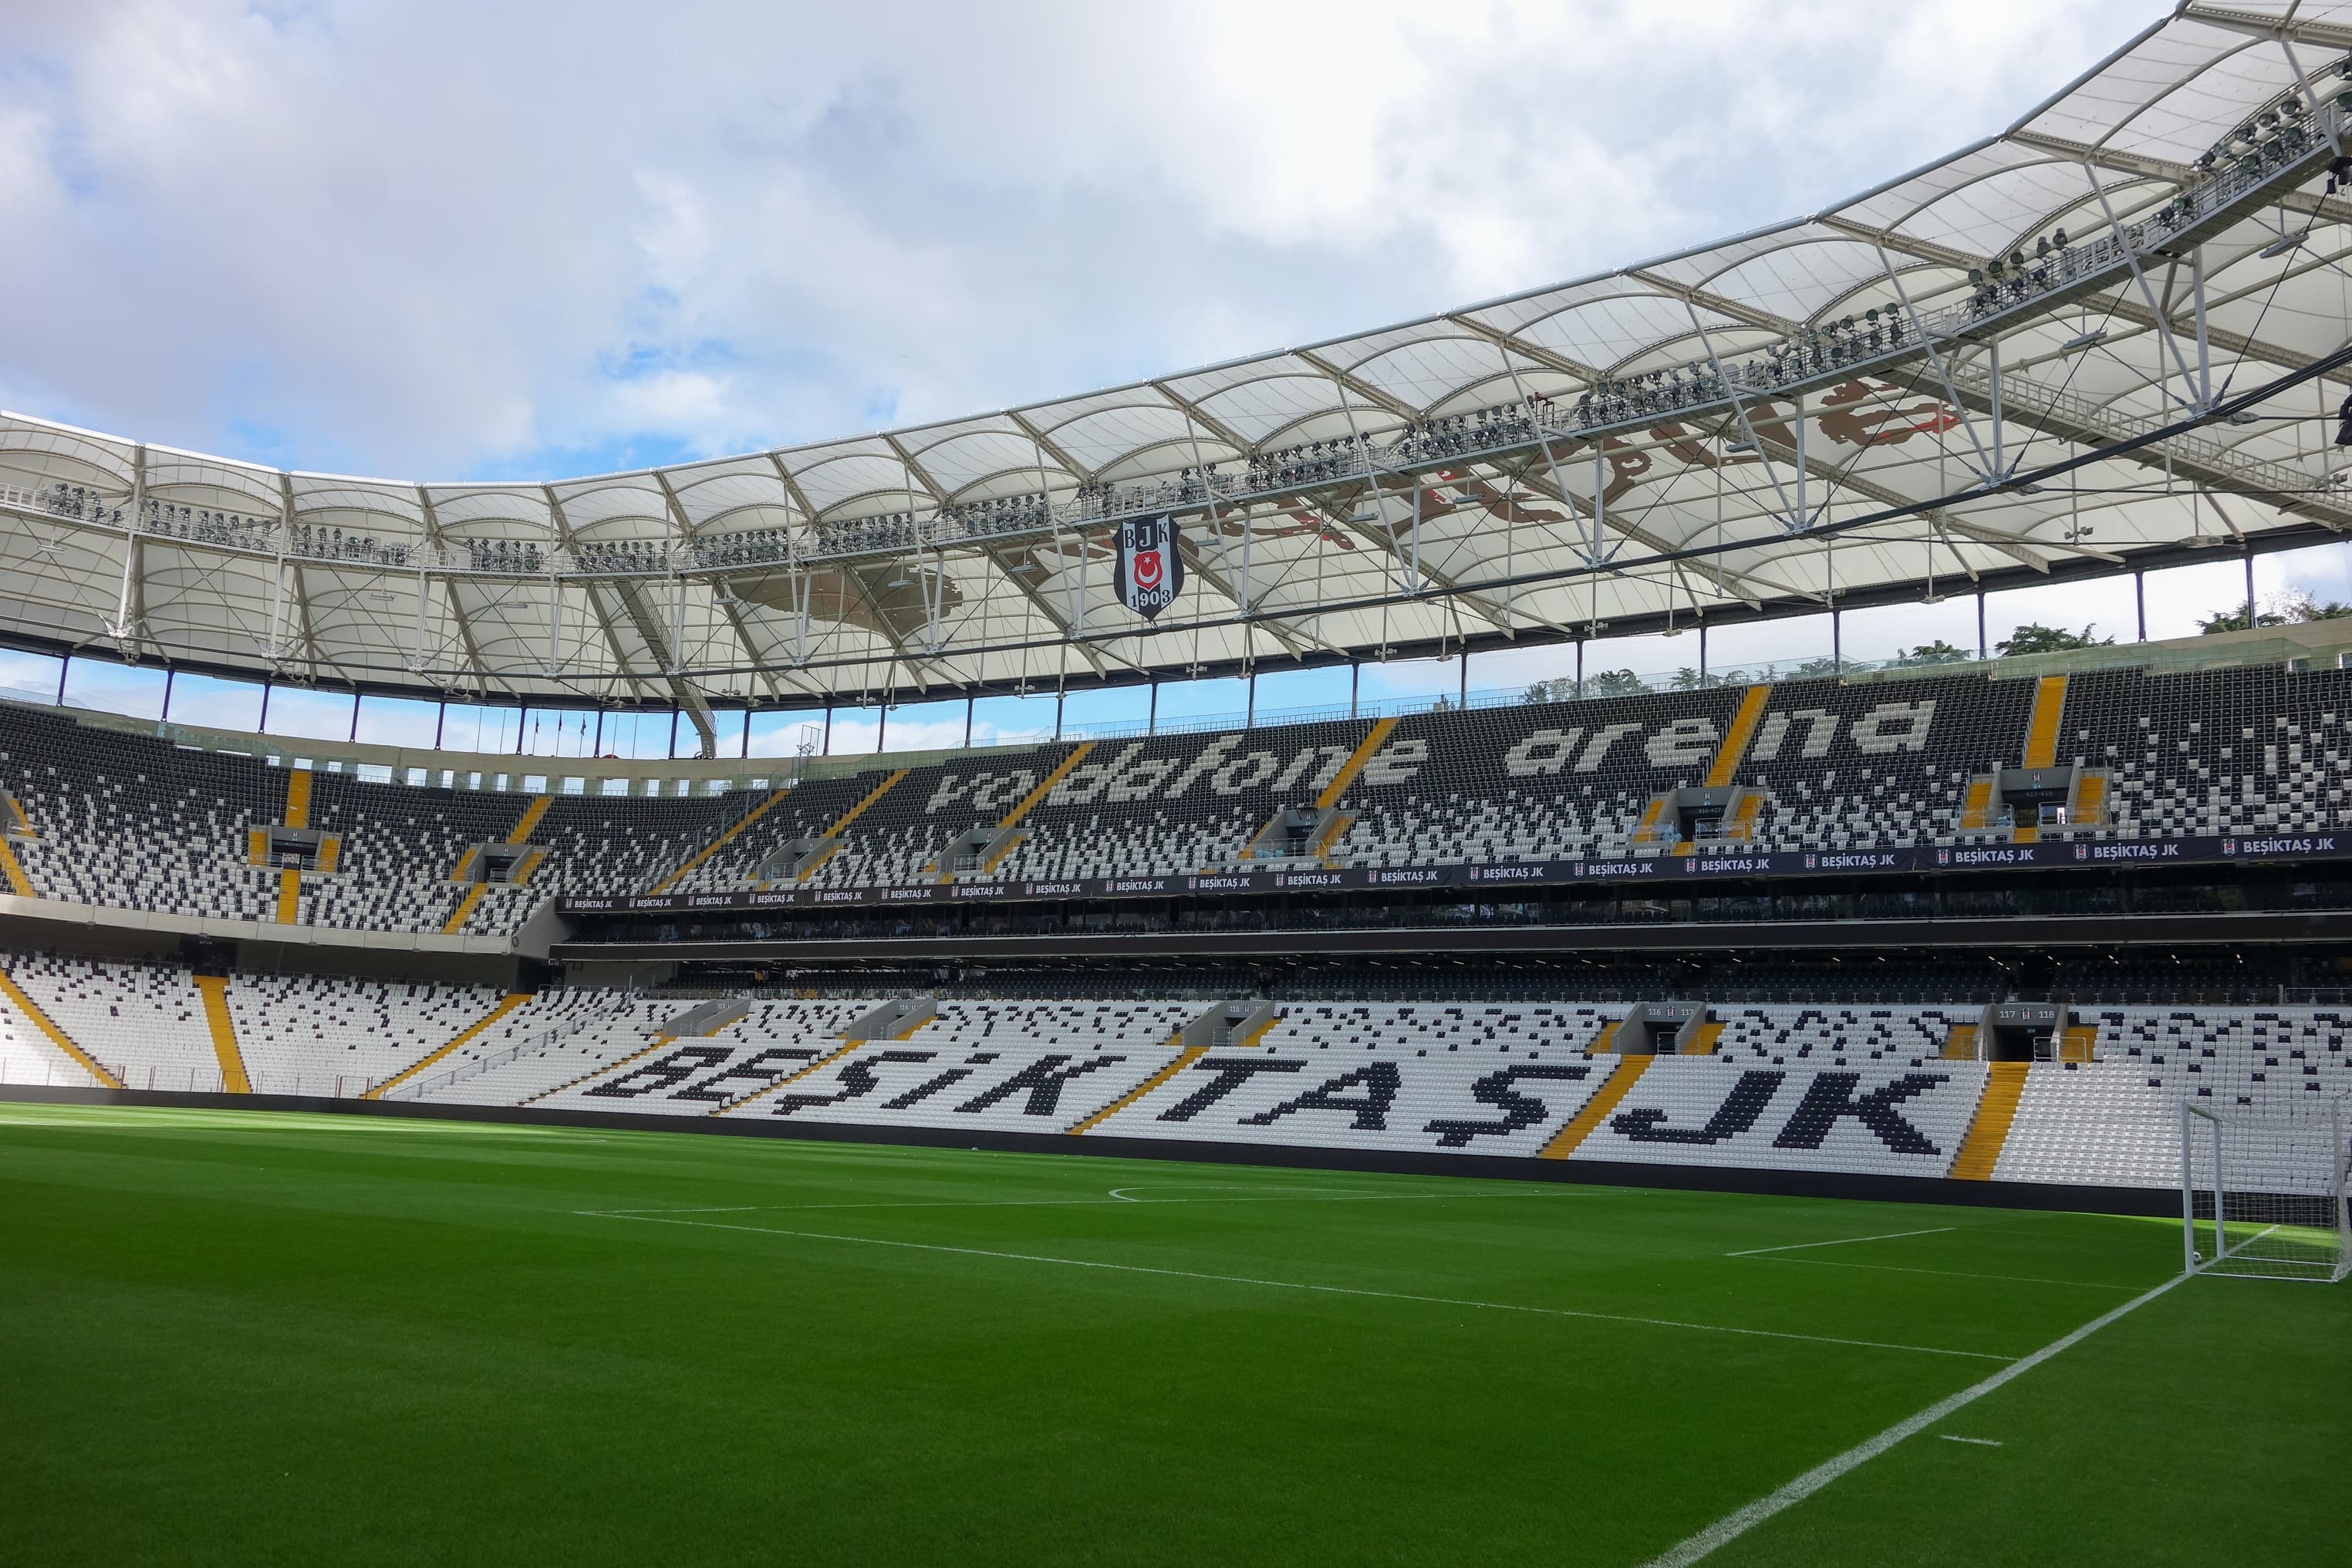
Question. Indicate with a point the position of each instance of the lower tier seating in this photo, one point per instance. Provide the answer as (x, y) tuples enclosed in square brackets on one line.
[(1861, 1089)]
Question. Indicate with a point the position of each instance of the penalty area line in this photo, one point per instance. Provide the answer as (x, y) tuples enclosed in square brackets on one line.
[(1841, 1241), (1298, 1285), (1731, 1526)]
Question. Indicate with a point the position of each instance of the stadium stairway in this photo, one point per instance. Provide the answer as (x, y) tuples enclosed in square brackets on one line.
[(2041, 732), (1365, 751), (214, 991), (55, 1036), (506, 1005), (1596, 1110), (601, 1069), (831, 836), (722, 840), (1002, 841), (520, 834), (1729, 756), (18, 882), (1183, 1060), (2041, 739), (818, 1065), (297, 815), (899, 1019), (1995, 1112)]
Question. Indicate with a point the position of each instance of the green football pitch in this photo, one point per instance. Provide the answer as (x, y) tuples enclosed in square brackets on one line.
[(252, 1338)]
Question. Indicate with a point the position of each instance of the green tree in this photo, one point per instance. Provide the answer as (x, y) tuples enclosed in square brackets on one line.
[(1559, 691), (2297, 605), (2235, 620), (2289, 608), (1615, 684), (2036, 639), (1935, 653)]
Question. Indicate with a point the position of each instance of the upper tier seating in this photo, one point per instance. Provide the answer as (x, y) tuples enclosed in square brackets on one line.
[(598, 844), (1880, 764), (1531, 783), (137, 823), (804, 812), (398, 850), (2256, 751)]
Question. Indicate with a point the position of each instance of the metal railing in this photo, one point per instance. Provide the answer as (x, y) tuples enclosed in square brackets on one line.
[(547, 1039)]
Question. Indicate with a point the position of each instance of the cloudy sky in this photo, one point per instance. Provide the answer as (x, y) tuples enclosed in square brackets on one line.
[(445, 241), (436, 241)]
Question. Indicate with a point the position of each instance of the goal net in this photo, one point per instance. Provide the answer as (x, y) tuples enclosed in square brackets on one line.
[(2262, 1192)]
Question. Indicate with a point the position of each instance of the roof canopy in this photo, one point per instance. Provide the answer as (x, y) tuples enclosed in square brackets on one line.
[(1860, 402)]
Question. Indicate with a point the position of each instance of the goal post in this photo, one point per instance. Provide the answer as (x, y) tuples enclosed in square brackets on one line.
[(2262, 1192)]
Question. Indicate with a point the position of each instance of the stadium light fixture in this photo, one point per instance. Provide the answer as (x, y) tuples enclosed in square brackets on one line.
[(2078, 343), (1741, 445), (2284, 244), (2244, 416)]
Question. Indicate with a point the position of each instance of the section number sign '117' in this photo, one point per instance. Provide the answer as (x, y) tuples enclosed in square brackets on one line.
[(1151, 569)]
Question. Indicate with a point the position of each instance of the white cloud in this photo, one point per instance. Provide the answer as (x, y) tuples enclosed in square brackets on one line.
[(436, 238)]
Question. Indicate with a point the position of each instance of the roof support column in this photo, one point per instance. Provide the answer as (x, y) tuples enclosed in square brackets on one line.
[(2204, 346), (1985, 467), (1794, 522), (2147, 295), (1592, 556), (2319, 117), (120, 629)]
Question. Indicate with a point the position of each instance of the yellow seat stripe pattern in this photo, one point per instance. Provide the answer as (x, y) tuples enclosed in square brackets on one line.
[(1365, 751), (1735, 743), (506, 1004), (720, 842), (2042, 735), (1981, 1151), (1185, 1058), (1604, 1100), (215, 989), (58, 1037)]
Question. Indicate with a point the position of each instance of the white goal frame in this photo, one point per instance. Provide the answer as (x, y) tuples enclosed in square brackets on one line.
[(2269, 1186)]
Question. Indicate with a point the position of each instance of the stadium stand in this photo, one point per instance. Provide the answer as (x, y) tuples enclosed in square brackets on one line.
[(315, 1034), (122, 821), (1833, 1087), (144, 1023)]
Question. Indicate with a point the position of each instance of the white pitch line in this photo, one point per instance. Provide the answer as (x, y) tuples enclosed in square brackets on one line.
[(2241, 1247), (1952, 1273), (1295, 1285), (1841, 1241), (1059, 1202), (1979, 1442), (1731, 1526)]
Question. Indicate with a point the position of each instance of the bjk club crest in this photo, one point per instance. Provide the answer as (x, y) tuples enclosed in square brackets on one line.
[(1149, 572)]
